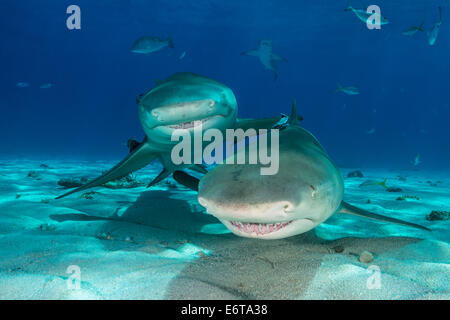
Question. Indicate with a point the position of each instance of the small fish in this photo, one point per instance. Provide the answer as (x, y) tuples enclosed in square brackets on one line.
[(416, 160), (347, 90), (22, 84), (147, 45), (364, 16), (413, 30), (371, 131), (46, 86), (182, 55), (433, 34), (374, 183)]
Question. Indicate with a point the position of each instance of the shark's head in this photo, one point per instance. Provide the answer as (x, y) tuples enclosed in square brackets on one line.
[(185, 101), (306, 190), (266, 44)]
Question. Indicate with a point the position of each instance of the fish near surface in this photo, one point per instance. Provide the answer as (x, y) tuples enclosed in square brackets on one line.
[(305, 192), (147, 45), (266, 56), (363, 15), (351, 91), (433, 34), (413, 30)]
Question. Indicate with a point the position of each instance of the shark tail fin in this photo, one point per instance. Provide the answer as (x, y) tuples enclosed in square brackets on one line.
[(339, 87), (293, 118), (383, 184), (420, 28), (349, 209), (170, 42)]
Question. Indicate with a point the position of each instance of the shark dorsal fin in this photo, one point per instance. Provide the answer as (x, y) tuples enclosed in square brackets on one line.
[(293, 118)]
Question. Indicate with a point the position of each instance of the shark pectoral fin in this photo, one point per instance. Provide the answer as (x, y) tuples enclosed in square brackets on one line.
[(278, 58), (141, 156), (253, 53), (186, 180), (164, 174), (349, 209)]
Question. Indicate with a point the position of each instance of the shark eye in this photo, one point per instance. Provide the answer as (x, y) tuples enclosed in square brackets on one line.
[(314, 191)]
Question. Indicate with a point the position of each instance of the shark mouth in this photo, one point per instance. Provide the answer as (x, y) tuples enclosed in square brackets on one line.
[(189, 124), (259, 228)]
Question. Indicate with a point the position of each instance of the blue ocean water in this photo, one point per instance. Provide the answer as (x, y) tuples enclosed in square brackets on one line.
[(90, 112)]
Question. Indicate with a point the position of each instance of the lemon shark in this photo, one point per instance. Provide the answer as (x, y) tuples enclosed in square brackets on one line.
[(305, 192), (266, 56), (182, 101)]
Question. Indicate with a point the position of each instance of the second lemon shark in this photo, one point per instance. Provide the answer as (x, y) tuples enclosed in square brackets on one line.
[(182, 101)]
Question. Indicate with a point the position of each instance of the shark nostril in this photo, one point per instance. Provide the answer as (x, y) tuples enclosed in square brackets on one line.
[(287, 207), (155, 114)]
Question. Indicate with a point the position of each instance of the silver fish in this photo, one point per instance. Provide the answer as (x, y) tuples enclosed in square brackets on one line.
[(364, 16), (347, 90), (413, 30), (22, 84), (147, 45)]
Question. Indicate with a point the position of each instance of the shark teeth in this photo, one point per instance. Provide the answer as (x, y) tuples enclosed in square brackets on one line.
[(188, 125), (259, 228)]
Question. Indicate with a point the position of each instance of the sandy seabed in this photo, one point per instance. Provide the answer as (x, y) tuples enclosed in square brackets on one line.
[(160, 244)]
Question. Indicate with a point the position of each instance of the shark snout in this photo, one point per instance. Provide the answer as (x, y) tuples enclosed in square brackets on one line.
[(187, 111), (268, 212)]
